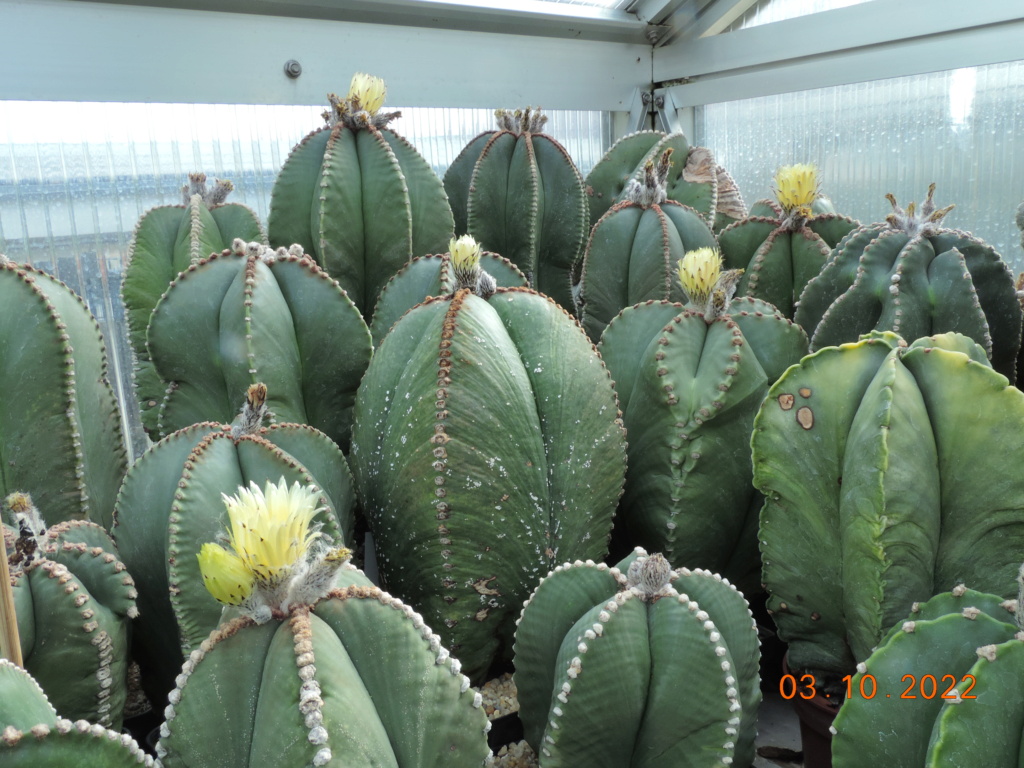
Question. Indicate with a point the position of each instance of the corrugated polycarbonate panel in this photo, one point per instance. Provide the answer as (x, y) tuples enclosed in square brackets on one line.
[(962, 129), (75, 178), (768, 11)]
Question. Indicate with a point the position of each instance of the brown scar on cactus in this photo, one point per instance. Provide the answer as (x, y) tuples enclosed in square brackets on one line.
[(786, 401), (480, 585), (805, 417)]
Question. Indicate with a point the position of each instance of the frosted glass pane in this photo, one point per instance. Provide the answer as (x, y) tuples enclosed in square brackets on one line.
[(962, 129), (768, 11), (75, 178)]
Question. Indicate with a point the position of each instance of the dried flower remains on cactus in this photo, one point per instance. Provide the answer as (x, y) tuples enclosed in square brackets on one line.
[(278, 557)]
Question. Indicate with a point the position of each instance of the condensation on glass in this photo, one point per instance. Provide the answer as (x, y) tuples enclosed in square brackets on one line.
[(76, 177), (962, 129)]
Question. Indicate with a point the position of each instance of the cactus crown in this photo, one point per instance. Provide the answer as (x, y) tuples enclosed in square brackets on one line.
[(262, 252), (649, 576), (708, 289), (361, 106), (796, 189), (652, 190), (529, 120), (31, 529), (278, 557), (465, 253), (210, 197), (916, 222)]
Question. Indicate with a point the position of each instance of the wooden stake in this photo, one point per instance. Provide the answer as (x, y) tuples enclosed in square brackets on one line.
[(10, 643)]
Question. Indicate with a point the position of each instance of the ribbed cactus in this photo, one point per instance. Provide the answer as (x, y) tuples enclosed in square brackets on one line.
[(944, 689), (73, 599), (311, 673), (256, 315), (784, 242), (637, 665), (634, 248), (690, 380), (860, 451), (434, 275), (359, 197), (696, 180), (60, 429), (914, 277), (33, 735), (167, 240), (171, 499), (517, 191), (486, 447)]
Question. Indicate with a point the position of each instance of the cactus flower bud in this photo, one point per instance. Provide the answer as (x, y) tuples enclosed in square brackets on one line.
[(367, 92), (225, 574), (698, 274), (465, 253), (796, 188)]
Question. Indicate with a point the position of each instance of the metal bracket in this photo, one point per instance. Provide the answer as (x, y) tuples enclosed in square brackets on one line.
[(654, 110)]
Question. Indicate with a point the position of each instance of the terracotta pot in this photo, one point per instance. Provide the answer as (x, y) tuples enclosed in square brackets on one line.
[(816, 716)]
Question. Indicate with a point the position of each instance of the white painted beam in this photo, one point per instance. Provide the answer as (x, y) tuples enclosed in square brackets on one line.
[(714, 17), (876, 40), (67, 50), (654, 11)]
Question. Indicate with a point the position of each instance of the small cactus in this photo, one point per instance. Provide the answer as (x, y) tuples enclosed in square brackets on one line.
[(60, 428), (676, 649), (517, 191), (311, 673), (73, 599), (358, 197)]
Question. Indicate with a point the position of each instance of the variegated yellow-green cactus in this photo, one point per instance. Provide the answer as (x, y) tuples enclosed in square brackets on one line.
[(313, 673)]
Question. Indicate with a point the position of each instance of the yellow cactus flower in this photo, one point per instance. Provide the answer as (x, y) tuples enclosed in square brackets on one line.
[(465, 253), (367, 91), (225, 574), (796, 187), (270, 530), (698, 274)]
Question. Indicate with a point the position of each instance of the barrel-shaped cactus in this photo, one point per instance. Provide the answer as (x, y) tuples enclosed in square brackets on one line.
[(860, 452), (487, 447), (359, 197), (785, 242), (690, 380), (942, 690), (634, 248), (435, 275), (256, 315), (517, 191), (696, 180), (912, 276), (34, 735), (167, 240), (73, 599), (60, 429), (312, 673), (171, 499), (637, 665)]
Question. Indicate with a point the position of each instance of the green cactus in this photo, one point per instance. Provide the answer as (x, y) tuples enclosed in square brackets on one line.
[(634, 248), (517, 191), (33, 736), (914, 277), (170, 500), (167, 240), (697, 181), (312, 673), (676, 651), (690, 380), (254, 315), (73, 599), (860, 452), (486, 448), (60, 428), (784, 242), (970, 712), (359, 197), (434, 275)]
